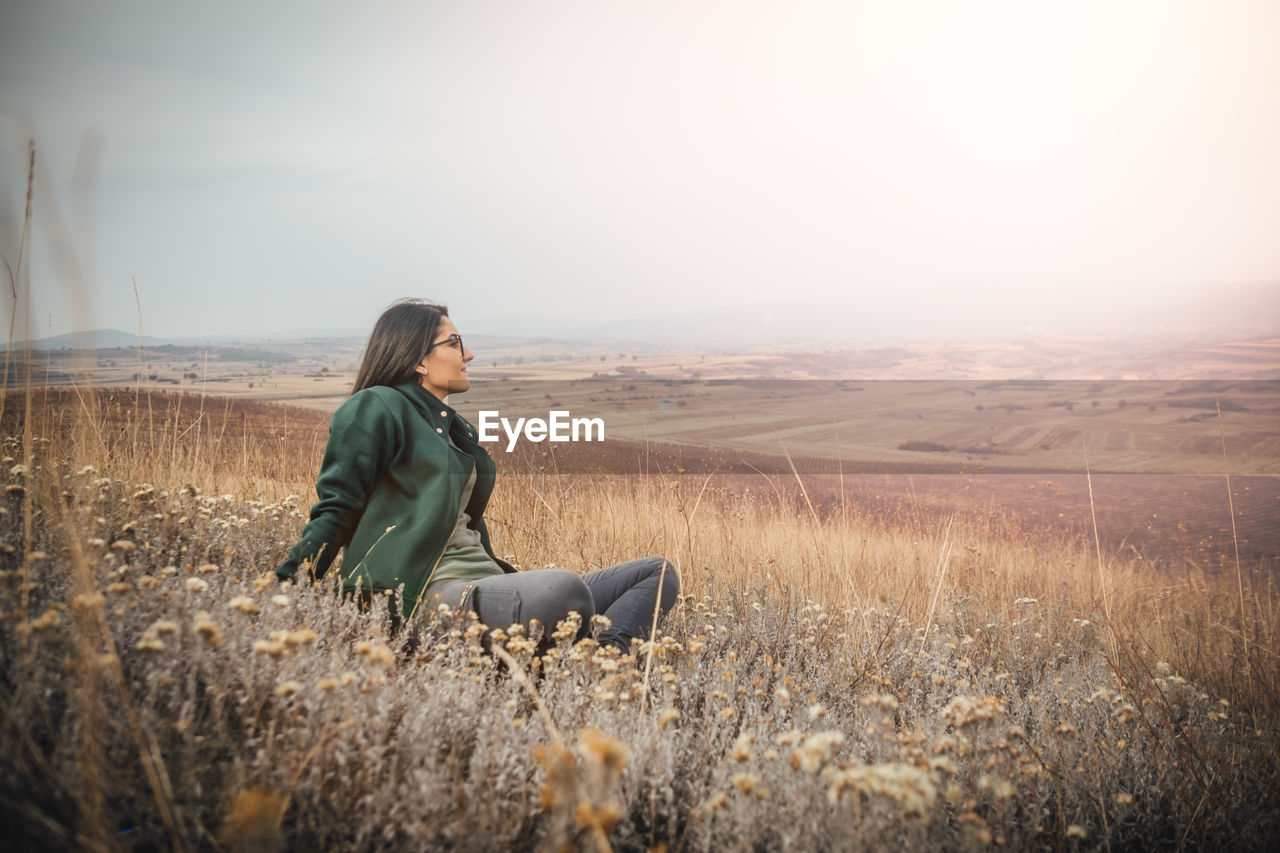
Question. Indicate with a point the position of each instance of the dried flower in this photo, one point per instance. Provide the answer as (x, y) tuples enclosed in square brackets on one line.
[(716, 802), (48, 619), (149, 642), (816, 751), (965, 710), (208, 629), (748, 783), (88, 601), (245, 605), (269, 647), (375, 653), (608, 752), (742, 747), (912, 788), (301, 636)]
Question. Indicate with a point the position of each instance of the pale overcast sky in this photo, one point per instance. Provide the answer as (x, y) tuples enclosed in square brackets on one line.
[(859, 168)]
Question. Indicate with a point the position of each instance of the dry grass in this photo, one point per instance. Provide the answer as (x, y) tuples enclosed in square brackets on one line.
[(157, 681)]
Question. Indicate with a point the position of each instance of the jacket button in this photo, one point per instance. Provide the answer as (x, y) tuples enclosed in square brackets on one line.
[(444, 414), (439, 430)]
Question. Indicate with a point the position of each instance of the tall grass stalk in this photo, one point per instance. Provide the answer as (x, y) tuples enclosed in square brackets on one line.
[(1103, 581), (944, 559), (1235, 544)]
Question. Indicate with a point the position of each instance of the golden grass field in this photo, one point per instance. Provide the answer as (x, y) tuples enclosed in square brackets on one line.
[(853, 664)]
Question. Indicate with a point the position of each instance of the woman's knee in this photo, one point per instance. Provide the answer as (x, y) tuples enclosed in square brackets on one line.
[(574, 595), (669, 580), (558, 593)]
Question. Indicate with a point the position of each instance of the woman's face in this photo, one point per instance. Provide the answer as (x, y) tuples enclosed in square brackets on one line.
[(443, 370)]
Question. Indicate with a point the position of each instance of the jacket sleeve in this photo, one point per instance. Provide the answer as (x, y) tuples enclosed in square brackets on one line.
[(363, 437)]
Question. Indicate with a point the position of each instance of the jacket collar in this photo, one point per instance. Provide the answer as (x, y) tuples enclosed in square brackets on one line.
[(438, 413)]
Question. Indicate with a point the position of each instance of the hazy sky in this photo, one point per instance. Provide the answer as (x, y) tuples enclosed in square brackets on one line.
[(858, 168)]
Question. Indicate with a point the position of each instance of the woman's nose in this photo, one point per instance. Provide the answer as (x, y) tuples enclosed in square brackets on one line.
[(467, 355)]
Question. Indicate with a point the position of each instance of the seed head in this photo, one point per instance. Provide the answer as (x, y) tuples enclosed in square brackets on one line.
[(748, 783), (608, 752), (208, 629), (149, 642), (245, 605), (272, 648)]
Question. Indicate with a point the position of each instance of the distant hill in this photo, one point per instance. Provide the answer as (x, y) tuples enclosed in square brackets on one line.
[(111, 338), (95, 339)]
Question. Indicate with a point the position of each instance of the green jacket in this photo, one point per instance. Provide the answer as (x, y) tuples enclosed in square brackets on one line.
[(389, 491)]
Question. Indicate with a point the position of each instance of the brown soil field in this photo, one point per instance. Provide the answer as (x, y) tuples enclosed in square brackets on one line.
[(878, 436), (1177, 519)]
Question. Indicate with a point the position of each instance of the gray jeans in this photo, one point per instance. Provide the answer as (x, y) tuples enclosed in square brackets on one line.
[(627, 593)]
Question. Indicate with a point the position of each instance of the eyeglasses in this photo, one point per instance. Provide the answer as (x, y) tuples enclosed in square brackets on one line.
[(454, 339)]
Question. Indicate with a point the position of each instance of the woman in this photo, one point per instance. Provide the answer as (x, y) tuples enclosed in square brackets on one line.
[(404, 485)]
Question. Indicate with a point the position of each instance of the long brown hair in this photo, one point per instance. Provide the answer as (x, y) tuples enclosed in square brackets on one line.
[(399, 341)]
